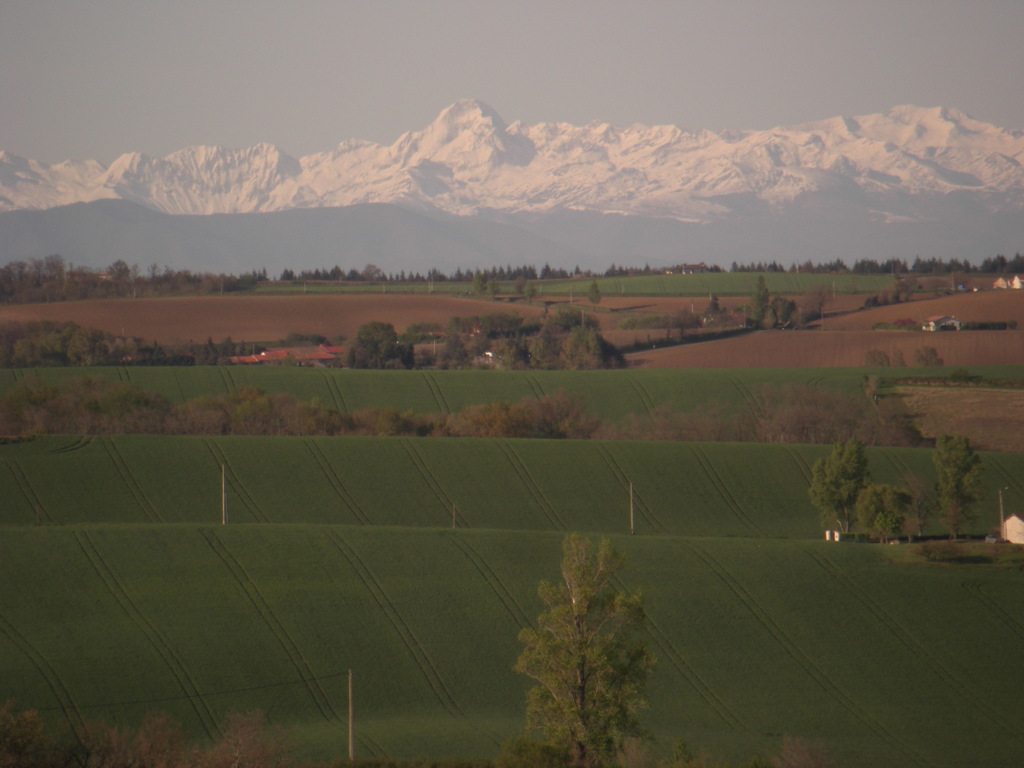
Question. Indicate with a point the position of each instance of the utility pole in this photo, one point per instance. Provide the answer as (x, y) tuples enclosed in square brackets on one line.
[(632, 530), (1002, 521), (351, 723)]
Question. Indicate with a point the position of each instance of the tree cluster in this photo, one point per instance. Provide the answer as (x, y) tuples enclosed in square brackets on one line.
[(47, 344), (567, 340), (842, 489)]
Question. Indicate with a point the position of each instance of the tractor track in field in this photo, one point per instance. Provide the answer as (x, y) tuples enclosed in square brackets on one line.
[(225, 378), (801, 463), (159, 643), (274, 624), (723, 489), (901, 468), (535, 385), (73, 445), (664, 644), (748, 397), (943, 670), (977, 591), (335, 391), (148, 508), (177, 383), (1010, 480), (371, 746), (60, 692), (539, 499), (645, 398), (435, 390), (240, 491), (504, 596), (18, 473), (800, 658), (418, 653), (332, 478), (645, 510), (446, 501)]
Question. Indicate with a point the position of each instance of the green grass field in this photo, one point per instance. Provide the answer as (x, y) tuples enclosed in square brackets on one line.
[(121, 594), (888, 664), (688, 489), (608, 394)]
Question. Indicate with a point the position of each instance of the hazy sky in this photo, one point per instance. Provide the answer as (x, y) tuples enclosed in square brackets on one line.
[(90, 79)]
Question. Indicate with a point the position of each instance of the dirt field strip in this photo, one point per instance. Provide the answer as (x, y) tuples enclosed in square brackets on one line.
[(257, 318), (778, 349), (992, 419)]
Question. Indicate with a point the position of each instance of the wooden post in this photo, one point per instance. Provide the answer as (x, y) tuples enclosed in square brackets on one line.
[(351, 723), (631, 528)]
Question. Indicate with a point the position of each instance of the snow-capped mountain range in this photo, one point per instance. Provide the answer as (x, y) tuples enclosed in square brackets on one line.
[(469, 161)]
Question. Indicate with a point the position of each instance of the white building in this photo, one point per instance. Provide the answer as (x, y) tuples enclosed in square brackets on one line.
[(1013, 529)]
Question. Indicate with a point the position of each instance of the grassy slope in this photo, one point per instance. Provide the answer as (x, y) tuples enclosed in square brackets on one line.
[(760, 629), (609, 394), (890, 664), (690, 489)]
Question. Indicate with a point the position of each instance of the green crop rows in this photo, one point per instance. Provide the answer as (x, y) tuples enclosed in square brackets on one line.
[(121, 593), (688, 489), (754, 637)]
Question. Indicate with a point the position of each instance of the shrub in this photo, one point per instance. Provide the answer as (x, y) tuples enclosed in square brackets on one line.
[(876, 358), (941, 551)]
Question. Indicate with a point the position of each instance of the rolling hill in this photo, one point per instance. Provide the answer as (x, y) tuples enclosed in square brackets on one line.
[(339, 554)]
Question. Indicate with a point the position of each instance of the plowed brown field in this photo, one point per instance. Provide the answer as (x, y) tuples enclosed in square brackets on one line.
[(256, 318), (836, 348), (990, 418), (971, 307)]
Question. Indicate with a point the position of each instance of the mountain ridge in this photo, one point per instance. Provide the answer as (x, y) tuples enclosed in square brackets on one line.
[(472, 191), (469, 160)]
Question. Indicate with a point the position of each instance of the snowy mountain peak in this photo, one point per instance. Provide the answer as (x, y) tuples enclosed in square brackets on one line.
[(466, 113), (469, 137), (468, 160)]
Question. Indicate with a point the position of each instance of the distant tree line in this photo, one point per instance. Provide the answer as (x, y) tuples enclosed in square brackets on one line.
[(995, 265), (54, 279)]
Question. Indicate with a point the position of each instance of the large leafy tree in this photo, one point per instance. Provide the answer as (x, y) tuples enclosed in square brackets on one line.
[(376, 345), (760, 302), (837, 480), (586, 656), (881, 509), (957, 481)]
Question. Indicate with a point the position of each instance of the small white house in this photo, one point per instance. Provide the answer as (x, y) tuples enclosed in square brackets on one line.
[(1013, 529), (941, 323)]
